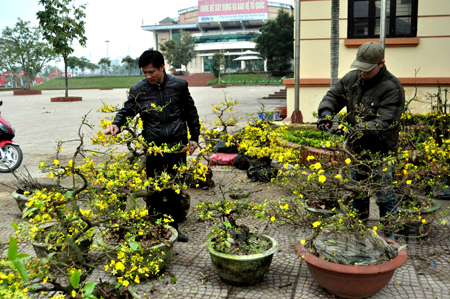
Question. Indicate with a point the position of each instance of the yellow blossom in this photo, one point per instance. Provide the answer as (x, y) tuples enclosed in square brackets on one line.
[(316, 224), (272, 218), (348, 161), (338, 176), (56, 162), (303, 242), (322, 178), (408, 182)]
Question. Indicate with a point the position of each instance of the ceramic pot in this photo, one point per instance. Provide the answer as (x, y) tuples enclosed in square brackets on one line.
[(21, 200), (242, 269), (166, 247), (351, 281), (416, 227), (65, 255)]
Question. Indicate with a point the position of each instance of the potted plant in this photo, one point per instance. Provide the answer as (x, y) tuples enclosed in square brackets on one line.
[(102, 198), (343, 244), (239, 256)]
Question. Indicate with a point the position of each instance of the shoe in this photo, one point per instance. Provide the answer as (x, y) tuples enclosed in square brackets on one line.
[(182, 237)]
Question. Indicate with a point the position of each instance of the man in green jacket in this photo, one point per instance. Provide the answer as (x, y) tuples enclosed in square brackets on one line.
[(375, 101)]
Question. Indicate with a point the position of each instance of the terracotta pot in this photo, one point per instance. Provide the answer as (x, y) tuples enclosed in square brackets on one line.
[(351, 281), (242, 269)]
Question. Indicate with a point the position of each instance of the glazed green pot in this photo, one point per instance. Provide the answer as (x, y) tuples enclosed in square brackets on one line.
[(416, 227), (166, 247), (242, 269)]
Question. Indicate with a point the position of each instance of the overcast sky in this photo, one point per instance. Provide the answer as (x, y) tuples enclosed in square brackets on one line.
[(117, 21)]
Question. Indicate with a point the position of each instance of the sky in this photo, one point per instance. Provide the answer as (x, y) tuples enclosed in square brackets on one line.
[(116, 21)]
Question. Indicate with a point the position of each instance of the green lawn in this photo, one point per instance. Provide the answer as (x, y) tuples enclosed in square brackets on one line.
[(92, 82), (245, 77)]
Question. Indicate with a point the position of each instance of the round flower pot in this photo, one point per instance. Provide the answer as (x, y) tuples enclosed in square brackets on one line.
[(351, 281), (417, 227), (166, 247), (21, 200), (242, 269), (321, 213), (64, 255)]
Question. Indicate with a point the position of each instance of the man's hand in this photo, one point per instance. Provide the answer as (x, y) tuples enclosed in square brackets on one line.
[(192, 147), (112, 130), (323, 124)]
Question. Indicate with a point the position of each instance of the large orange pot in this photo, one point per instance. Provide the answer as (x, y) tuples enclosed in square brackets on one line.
[(351, 281)]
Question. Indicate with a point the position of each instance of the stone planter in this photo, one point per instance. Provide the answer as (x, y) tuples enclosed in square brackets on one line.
[(21, 200), (65, 255), (242, 269), (167, 248), (417, 228), (64, 99), (351, 281), (321, 213), (27, 92)]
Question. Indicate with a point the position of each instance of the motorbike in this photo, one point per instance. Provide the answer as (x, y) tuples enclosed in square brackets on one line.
[(10, 153)]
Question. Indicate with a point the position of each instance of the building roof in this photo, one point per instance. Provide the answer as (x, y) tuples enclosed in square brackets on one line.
[(167, 20)]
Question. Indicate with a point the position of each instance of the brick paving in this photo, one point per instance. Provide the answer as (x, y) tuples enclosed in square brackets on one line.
[(40, 123)]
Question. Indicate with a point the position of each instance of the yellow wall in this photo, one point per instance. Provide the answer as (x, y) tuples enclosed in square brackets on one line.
[(430, 57), (310, 98)]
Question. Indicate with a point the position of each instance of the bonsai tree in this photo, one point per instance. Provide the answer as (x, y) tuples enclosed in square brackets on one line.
[(102, 196)]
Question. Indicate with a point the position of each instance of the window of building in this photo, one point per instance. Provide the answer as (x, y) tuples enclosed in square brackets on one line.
[(364, 18)]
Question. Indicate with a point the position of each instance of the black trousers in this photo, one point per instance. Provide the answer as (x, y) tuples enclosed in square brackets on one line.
[(167, 201)]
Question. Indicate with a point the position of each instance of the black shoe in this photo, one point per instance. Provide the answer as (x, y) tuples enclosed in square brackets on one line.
[(182, 237)]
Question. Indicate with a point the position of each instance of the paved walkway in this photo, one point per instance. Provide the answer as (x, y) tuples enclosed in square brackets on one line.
[(40, 123)]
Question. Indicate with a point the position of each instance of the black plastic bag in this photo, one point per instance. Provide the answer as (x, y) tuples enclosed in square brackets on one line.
[(262, 172), (221, 147), (241, 161)]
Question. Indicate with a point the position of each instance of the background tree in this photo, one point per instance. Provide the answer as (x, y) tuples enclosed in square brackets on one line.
[(130, 62), (179, 52), (72, 63), (104, 64), (185, 50), (83, 64), (334, 42), (276, 43), (168, 49), (62, 25), (92, 67), (22, 48), (218, 64)]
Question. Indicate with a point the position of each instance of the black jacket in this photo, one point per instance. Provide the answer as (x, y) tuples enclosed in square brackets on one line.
[(383, 99), (168, 126)]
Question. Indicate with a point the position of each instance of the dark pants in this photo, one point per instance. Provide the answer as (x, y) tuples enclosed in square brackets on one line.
[(386, 200), (167, 201)]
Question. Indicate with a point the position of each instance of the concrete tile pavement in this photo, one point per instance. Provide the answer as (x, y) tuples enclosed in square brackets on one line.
[(40, 123)]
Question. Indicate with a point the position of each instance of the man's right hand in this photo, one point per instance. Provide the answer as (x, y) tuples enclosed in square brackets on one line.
[(111, 130), (323, 124)]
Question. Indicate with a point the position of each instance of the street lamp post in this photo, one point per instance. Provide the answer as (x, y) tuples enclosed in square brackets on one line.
[(107, 54)]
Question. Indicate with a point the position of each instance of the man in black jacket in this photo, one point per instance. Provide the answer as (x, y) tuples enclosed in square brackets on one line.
[(375, 101), (166, 127)]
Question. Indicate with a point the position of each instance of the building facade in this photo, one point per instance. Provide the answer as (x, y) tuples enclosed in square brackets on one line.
[(417, 42), (226, 26)]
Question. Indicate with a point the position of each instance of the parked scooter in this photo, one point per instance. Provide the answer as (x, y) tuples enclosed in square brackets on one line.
[(10, 153)]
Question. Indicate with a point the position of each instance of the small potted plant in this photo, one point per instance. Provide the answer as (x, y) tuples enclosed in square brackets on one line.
[(239, 256)]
